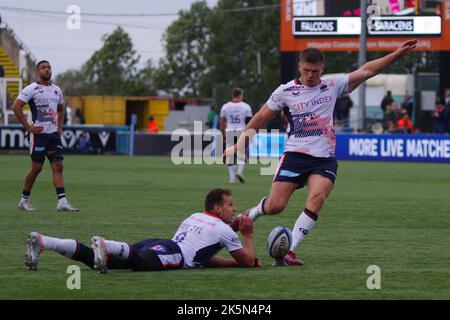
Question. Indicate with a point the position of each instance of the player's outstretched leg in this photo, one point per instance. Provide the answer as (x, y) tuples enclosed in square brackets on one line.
[(70, 248), (319, 188)]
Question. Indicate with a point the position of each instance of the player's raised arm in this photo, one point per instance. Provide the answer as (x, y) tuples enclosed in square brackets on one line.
[(257, 122), (372, 68)]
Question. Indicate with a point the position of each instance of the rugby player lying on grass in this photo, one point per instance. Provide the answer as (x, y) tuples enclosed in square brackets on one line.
[(197, 241)]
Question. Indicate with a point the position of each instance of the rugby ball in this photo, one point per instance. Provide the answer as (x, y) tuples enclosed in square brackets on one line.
[(279, 242)]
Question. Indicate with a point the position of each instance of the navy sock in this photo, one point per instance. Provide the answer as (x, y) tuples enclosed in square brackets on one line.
[(84, 254), (60, 193), (26, 194)]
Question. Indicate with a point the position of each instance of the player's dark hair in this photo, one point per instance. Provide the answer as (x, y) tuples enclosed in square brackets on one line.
[(41, 62), (214, 197), (311, 55), (236, 92)]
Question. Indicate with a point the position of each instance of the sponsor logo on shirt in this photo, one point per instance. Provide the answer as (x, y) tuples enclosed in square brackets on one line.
[(311, 103), (324, 87), (305, 126), (42, 101), (294, 89), (158, 248)]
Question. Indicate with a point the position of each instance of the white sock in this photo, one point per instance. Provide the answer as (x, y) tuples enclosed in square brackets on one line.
[(120, 250), (232, 172), (240, 169), (305, 222), (257, 211), (66, 247)]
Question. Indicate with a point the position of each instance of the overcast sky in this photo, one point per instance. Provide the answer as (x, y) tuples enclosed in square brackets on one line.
[(47, 36)]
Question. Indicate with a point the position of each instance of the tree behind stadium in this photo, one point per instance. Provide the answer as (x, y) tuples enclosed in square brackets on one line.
[(111, 70), (210, 48)]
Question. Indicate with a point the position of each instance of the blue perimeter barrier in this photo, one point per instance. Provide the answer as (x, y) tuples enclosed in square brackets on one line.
[(374, 147)]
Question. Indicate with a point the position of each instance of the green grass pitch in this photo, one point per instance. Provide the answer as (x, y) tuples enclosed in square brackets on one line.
[(393, 215)]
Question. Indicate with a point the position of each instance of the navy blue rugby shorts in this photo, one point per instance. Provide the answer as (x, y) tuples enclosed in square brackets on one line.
[(156, 254), (296, 167), (41, 144)]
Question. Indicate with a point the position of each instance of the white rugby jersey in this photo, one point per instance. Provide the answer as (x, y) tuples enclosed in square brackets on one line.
[(43, 101), (201, 236), (310, 114), (235, 113)]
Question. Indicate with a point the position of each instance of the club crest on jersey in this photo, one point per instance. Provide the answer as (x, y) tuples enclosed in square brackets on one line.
[(324, 88), (158, 247), (295, 90), (56, 92)]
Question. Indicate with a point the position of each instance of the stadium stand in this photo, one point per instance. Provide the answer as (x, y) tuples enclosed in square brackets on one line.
[(18, 64)]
